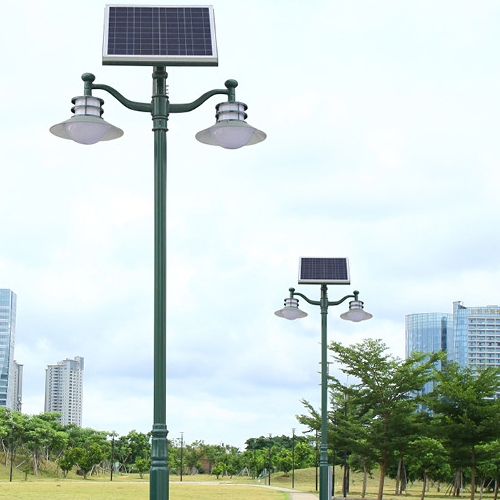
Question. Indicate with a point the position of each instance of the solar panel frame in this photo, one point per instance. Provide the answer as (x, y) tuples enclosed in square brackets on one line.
[(324, 270), (156, 35)]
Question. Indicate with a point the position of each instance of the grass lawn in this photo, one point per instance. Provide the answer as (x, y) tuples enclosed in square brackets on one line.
[(47, 486), (97, 490)]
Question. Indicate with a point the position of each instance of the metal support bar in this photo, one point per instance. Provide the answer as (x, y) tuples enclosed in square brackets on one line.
[(323, 450), (159, 473)]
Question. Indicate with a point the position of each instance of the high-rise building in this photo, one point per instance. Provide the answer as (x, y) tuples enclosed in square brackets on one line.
[(64, 390), (17, 402), (8, 304), (428, 332), (470, 336)]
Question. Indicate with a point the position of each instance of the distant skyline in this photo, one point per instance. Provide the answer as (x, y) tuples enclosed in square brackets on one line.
[(382, 146)]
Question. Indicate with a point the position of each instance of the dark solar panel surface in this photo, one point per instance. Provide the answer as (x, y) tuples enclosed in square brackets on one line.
[(159, 31), (323, 269)]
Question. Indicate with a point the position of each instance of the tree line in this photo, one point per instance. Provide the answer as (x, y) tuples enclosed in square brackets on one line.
[(421, 418), (32, 443)]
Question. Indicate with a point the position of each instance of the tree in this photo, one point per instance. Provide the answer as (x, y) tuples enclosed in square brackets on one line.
[(428, 459), (304, 454), (69, 460), (489, 464), (131, 447), (218, 470), (39, 434), (385, 391), (192, 455), (466, 410), (88, 458), (283, 460), (142, 465), (255, 460)]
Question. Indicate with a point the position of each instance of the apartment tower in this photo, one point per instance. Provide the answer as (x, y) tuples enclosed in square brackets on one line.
[(64, 390), (9, 395)]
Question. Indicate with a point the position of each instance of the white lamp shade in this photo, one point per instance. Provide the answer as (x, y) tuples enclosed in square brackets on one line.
[(291, 310), (231, 134), (86, 129), (356, 312)]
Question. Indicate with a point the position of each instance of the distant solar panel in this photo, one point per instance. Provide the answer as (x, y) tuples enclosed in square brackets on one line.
[(159, 36), (324, 270)]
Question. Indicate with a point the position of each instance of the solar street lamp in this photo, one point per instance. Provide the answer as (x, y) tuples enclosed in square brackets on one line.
[(323, 271), (159, 36)]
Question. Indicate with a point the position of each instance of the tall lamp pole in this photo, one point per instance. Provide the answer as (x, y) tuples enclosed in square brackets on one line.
[(356, 313), (269, 460), (11, 450), (230, 132), (182, 451), (113, 434), (293, 457), (316, 458)]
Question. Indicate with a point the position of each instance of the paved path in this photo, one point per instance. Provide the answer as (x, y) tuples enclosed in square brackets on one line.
[(296, 495)]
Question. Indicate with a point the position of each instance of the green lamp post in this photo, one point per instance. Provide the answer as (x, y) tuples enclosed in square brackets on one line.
[(356, 313), (231, 132)]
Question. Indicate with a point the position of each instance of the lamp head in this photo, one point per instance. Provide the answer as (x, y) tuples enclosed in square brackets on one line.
[(231, 131), (356, 312), (291, 310), (86, 125)]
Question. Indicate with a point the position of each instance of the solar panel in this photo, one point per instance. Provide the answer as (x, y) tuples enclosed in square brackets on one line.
[(159, 36), (323, 270)]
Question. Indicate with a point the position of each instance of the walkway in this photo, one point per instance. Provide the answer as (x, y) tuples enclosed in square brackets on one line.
[(295, 494)]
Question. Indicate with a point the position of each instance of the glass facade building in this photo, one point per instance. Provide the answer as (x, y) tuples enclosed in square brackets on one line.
[(470, 336), (428, 332), (8, 304)]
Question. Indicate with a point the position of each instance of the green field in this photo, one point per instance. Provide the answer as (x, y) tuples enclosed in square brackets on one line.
[(47, 486), (93, 490)]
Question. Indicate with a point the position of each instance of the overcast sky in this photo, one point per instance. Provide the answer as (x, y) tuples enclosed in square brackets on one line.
[(383, 124)]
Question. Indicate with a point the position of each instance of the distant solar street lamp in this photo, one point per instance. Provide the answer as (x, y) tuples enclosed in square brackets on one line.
[(323, 271), (159, 36)]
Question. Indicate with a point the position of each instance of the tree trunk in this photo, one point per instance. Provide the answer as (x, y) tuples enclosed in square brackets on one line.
[(472, 481), (35, 463), (383, 470), (398, 477), (481, 489), (495, 491), (404, 480), (365, 481), (424, 484), (457, 483)]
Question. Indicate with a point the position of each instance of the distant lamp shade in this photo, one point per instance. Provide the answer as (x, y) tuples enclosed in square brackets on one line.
[(231, 131), (291, 310), (356, 312), (86, 126)]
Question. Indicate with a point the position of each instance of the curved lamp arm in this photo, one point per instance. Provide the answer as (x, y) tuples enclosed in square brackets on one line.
[(89, 78), (293, 293), (229, 91), (133, 105)]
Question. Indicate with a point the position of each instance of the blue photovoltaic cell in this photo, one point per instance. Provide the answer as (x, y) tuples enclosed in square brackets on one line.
[(141, 34), (323, 270)]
